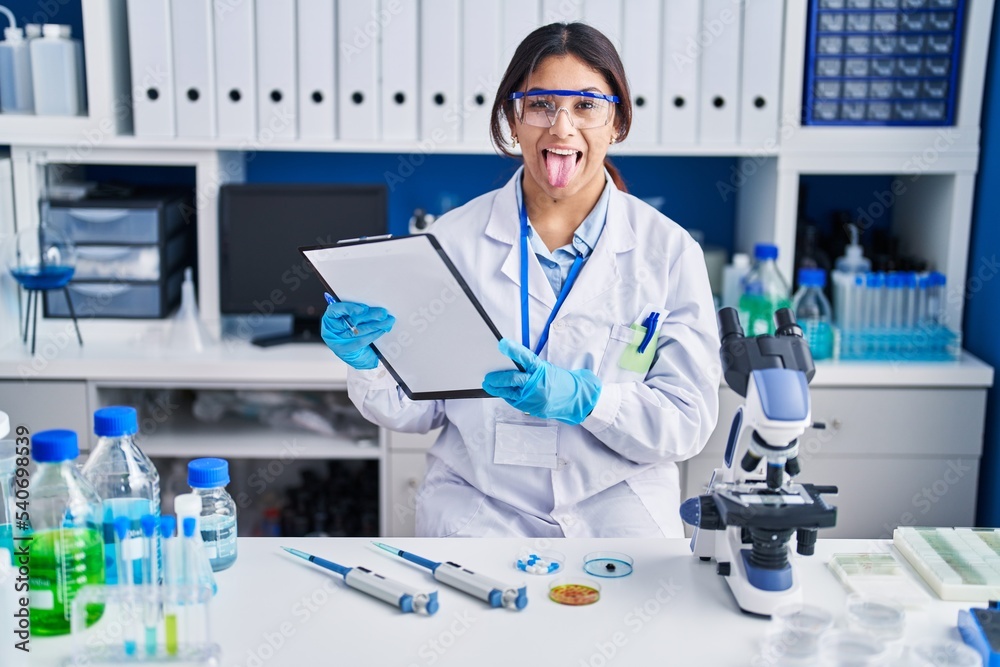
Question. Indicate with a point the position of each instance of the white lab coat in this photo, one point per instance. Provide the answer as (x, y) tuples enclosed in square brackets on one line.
[(616, 473)]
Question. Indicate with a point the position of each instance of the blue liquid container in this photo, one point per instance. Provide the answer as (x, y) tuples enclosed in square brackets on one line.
[(8, 464), (127, 482), (813, 313), (208, 479)]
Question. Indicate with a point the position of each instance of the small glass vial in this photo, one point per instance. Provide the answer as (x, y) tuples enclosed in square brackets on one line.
[(208, 479)]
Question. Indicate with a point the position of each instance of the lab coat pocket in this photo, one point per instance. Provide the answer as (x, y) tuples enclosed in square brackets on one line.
[(526, 444), (618, 364)]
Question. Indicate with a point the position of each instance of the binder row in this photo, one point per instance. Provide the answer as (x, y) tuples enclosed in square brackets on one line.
[(702, 72)]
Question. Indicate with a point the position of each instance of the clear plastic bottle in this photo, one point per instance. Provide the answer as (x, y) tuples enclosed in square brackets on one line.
[(764, 292), (57, 72), (67, 550), (208, 479), (127, 482), (813, 312), (15, 73), (732, 279), (197, 570)]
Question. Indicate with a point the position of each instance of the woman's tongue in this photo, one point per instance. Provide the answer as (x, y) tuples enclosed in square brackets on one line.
[(560, 168)]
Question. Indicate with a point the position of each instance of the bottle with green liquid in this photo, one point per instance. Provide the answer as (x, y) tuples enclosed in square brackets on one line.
[(764, 292), (67, 547)]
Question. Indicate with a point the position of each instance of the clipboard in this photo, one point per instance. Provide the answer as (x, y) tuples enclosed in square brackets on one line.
[(443, 343)]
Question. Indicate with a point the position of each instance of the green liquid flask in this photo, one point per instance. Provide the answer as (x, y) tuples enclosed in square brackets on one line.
[(67, 547)]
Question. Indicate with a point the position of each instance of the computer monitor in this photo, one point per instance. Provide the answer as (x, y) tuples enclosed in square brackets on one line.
[(261, 227)]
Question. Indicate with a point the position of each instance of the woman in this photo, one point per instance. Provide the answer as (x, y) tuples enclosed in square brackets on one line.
[(585, 441)]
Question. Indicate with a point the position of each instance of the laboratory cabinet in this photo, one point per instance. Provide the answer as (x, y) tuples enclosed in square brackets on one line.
[(900, 456), (40, 405)]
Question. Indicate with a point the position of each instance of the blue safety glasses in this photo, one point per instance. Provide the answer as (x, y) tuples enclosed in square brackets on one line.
[(585, 109)]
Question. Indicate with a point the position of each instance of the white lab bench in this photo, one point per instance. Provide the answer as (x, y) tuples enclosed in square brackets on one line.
[(273, 609)]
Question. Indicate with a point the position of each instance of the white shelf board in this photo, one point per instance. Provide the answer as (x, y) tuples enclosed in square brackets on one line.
[(304, 366), (426, 147), (232, 438)]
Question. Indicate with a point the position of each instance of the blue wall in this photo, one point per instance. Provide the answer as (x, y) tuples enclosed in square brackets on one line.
[(982, 309)]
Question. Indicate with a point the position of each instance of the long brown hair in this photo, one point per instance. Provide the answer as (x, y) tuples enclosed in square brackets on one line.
[(559, 39)]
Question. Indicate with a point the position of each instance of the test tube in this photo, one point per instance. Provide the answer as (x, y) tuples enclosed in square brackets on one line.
[(189, 549), (935, 305), (921, 314), (893, 297), (125, 579), (910, 309), (148, 523), (167, 526)]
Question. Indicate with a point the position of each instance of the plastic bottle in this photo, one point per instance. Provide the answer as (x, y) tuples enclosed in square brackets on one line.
[(813, 312), (57, 72), (9, 655), (846, 296), (8, 464), (197, 568), (853, 260), (217, 522), (732, 277), (16, 94), (67, 549), (764, 292), (127, 482)]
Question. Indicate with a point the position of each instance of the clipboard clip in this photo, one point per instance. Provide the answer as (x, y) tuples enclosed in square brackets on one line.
[(380, 237)]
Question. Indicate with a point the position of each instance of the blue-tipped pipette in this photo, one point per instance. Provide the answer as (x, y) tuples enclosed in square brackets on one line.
[(467, 581), (148, 523), (387, 590), (124, 569)]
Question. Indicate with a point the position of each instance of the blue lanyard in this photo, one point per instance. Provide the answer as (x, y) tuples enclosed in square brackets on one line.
[(574, 271)]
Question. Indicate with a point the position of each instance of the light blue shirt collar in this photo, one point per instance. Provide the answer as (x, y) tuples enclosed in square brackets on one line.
[(556, 264)]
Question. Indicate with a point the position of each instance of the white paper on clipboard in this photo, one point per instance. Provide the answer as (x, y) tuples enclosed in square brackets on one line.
[(443, 343)]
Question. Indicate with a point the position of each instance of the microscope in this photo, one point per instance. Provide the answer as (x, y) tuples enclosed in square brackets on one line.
[(752, 507)]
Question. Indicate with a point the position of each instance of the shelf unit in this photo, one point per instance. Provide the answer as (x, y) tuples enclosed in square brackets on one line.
[(938, 166)]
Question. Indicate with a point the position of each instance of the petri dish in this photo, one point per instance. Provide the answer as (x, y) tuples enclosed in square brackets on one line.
[(850, 648), (792, 640), (607, 564), (576, 592), (535, 561), (944, 654), (879, 616)]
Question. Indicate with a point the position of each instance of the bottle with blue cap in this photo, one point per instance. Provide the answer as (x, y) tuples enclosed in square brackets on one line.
[(208, 479), (764, 292), (127, 482), (67, 548), (813, 313)]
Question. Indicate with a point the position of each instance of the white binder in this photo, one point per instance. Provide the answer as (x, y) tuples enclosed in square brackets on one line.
[(681, 64), (760, 82), (642, 58), (235, 69), (440, 50), (317, 40), (400, 66), (561, 11), (357, 70), (194, 67), (719, 83), (606, 16), (481, 67), (518, 18), (277, 94), (152, 68)]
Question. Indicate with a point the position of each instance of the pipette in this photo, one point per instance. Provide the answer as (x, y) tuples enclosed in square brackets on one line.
[(383, 588), (124, 569), (467, 581), (167, 526), (148, 523)]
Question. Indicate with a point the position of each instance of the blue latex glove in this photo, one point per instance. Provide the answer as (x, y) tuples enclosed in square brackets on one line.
[(371, 324), (543, 389)]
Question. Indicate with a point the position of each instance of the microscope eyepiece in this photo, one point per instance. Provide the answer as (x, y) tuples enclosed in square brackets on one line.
[(785, 325), (729, 323)]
